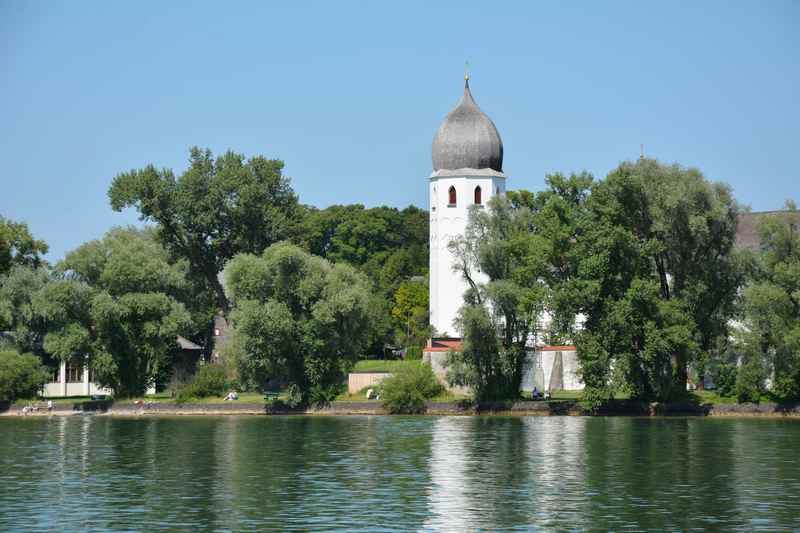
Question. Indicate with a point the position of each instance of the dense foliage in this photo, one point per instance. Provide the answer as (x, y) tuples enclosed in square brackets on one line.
[(642, 261), (407, 390), (769, 336), (209, 380), (390, 246), (21, 375), (213, 211), (298, 318), (18, 247), (657, 278), (116, 305)]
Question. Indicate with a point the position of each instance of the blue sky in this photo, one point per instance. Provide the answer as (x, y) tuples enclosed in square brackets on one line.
[(349, 94)]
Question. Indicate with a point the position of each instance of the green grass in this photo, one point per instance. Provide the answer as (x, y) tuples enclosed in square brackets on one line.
[(383, 365)]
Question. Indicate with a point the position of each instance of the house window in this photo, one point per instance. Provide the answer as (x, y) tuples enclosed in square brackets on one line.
[(451, 195), (478, 195), (497, 191), (74, 372)]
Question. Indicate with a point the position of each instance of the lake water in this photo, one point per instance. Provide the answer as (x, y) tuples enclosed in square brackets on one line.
[(376, 473)]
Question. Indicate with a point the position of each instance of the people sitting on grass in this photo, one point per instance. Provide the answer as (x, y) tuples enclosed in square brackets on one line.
[(232, 395)]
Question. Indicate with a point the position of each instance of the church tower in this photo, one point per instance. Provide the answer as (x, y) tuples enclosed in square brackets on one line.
[(467, 170)]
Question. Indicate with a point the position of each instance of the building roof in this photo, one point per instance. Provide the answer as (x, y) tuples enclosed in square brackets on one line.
[(747, 230), (467, 139), (186, 344)]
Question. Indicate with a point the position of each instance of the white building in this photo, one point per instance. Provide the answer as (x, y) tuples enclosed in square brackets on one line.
[(468, 170)]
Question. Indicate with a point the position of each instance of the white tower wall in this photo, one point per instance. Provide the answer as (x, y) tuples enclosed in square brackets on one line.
[(447, 222)]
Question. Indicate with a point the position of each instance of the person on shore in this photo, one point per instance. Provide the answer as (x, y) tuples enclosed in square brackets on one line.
[(49, 405), (232, 395)]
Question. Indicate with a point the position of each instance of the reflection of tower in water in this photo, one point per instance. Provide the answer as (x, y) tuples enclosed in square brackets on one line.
[(448, 503)]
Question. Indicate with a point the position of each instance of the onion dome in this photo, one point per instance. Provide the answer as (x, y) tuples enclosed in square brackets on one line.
[(467, 139)]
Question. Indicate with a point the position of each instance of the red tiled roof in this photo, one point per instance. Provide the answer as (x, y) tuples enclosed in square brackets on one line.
[(565, 348), (443, 345)]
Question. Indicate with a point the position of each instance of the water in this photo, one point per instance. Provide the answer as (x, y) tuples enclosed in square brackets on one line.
[(398, 474)]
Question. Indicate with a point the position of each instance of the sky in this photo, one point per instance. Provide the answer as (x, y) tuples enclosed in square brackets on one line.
[(350, 94)]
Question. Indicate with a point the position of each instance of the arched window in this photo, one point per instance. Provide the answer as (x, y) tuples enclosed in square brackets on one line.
[(497, 192), (478, 195), (451, 195)]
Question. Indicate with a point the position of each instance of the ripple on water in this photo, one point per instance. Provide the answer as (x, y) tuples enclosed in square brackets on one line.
[(398, 474)]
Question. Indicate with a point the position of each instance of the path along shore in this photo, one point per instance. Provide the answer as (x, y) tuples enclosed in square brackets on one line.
[(520, 408)]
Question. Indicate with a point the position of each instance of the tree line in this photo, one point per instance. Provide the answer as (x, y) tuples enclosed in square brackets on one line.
[(118, 303), (640, 270)]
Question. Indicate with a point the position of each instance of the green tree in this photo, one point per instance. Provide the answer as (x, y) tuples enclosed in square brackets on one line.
[(657, 278), (770, 322), (504, 243), (18, 247), (116, 307), (298, 318), (21, 375), (411, 312), (389, 245), (18, 317), (213, 211)]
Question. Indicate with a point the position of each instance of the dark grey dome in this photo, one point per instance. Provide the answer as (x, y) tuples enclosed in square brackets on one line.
[(467, 139)]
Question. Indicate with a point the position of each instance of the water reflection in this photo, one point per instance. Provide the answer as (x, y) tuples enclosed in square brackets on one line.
[(398, 474)]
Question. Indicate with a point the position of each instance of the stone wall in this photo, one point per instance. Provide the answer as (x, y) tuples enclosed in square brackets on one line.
[(358, 380)]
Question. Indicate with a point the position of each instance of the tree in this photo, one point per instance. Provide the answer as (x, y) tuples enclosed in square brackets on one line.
[(298, 318), (115, 307), (389, 245), (213, 211), (411, 312), (18, 247), (18, 317), (21, 375), (770, 332), (502, 242), (657, 278)]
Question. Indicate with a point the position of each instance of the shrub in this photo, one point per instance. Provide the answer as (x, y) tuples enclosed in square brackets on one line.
[(413, 353), (210, 380), (724, 377), (750, 381), (21, 375), (407, 389)]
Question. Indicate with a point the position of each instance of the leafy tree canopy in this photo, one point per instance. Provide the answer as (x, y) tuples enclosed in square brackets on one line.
[(657, 277), (298, 318), (18, 247), (216, 209), (116, 305)]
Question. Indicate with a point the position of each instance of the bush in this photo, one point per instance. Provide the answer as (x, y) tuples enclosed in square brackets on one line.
[(724, 377), (413, 353), (407, 389), (210, 380), (750, 381), (21, 375)]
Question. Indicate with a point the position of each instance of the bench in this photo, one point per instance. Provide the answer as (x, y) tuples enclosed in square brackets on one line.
[(271, 396)]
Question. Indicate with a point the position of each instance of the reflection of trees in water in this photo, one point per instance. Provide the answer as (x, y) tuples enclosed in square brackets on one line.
[(765, 472), (655, 473), (164, 471), (289, 472)]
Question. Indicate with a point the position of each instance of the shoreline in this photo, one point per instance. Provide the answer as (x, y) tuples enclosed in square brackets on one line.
[(341, 408)]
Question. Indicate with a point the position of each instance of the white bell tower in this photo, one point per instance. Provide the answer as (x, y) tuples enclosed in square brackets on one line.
[(467, 170)]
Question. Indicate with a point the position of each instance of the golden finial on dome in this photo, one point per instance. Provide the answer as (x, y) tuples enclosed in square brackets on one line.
[(466, 70)]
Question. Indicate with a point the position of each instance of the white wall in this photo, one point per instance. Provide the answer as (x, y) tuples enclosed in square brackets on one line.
[(540, 368), (447, 222)]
